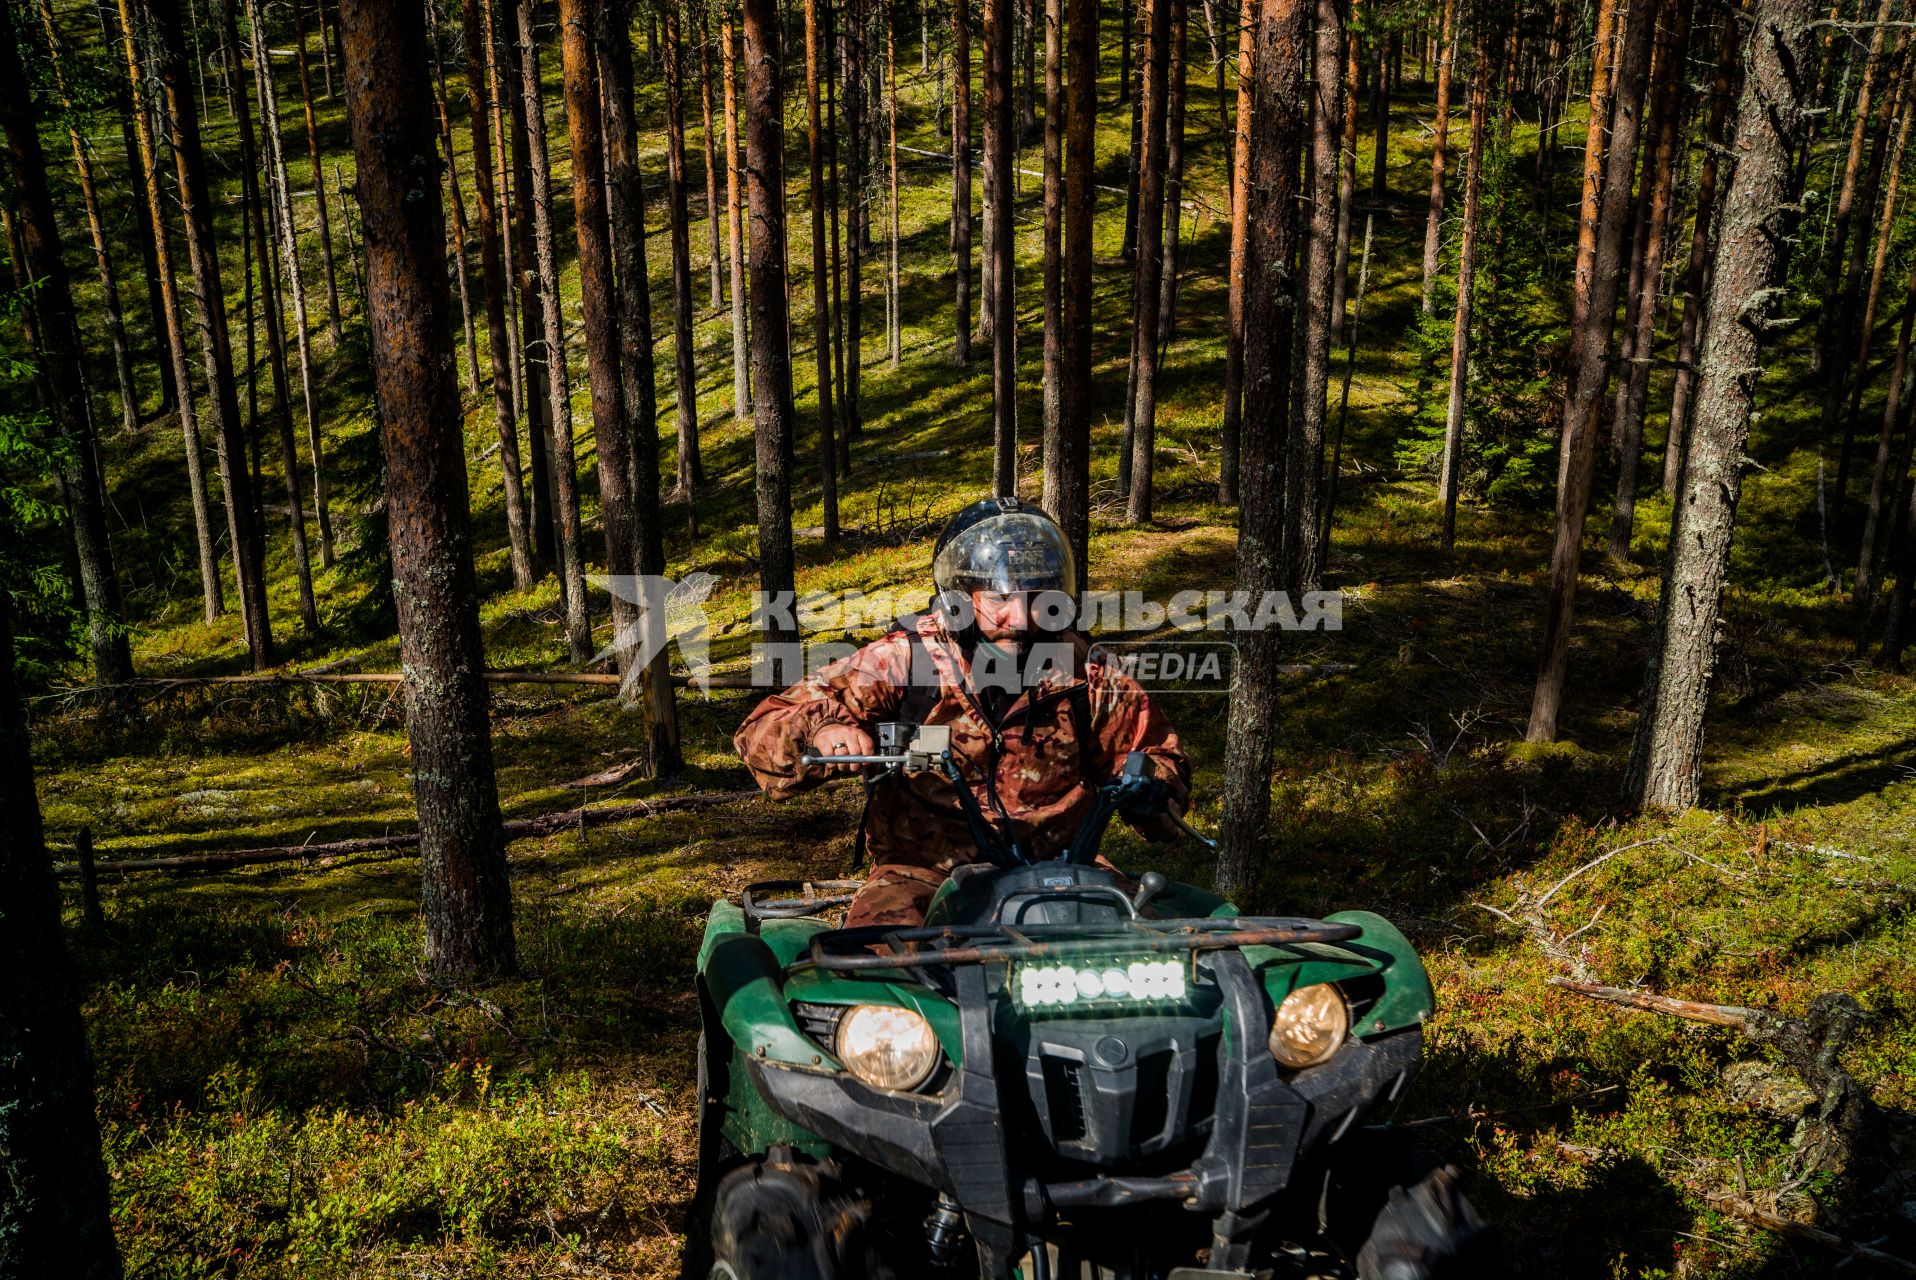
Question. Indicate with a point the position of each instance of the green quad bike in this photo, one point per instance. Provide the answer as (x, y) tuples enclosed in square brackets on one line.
[(1057, 1073)]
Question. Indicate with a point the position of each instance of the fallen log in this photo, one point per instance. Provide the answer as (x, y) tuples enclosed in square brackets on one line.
[(397, 845), (1757, 1215), (1751, 1022), (1844, 1133)]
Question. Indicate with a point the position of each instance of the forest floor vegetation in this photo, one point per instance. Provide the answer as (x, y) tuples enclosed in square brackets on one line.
[(284, 1093)]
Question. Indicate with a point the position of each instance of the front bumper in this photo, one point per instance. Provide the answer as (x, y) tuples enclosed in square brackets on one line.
[(955, 1141)]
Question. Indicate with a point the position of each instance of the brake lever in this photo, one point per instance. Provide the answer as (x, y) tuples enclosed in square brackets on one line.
[(1192, 831)]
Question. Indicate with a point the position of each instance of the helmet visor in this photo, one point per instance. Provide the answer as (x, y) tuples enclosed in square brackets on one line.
[(1015, 551)]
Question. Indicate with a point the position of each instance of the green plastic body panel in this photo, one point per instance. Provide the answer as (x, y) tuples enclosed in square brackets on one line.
[(844, 988), (1407, 999), (743, 978), (740, 977)]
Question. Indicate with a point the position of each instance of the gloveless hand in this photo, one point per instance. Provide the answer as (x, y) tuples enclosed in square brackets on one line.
[(840, 740)]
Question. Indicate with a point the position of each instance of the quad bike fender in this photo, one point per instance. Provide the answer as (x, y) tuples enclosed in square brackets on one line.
[(743, 981), (1381, 952), (744, 978)]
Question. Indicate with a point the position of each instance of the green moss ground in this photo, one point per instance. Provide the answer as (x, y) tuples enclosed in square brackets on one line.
[(283, 1094)]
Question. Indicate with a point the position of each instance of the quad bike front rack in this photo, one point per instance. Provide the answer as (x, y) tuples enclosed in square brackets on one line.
[(843, 950), (794, 899)]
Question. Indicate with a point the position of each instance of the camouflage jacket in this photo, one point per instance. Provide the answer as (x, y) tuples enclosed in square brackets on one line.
[(1033, 772)]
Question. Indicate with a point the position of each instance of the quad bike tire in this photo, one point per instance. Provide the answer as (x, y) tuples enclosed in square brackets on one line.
[(783, 1218), (1398, 1215)]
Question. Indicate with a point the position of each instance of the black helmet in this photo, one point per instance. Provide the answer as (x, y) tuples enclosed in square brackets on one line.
[(1002, 545)]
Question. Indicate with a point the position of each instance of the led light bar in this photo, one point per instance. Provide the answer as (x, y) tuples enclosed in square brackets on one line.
[(1117, 982)]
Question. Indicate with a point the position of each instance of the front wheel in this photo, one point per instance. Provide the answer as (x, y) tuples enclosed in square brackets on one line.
[(780, 1218), (1426, 1231), (1397, 1215)]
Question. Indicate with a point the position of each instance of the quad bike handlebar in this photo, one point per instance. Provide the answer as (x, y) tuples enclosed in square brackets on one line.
[(1135, 792)]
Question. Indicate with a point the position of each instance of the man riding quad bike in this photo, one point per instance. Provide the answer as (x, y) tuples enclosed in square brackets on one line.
[(1010, 1058)]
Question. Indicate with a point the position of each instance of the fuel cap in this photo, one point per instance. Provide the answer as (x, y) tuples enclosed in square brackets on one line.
[(1111, 1051)]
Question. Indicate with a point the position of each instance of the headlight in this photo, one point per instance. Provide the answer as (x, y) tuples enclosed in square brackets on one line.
[(887, 1048), (1110, 982), (1310, 1026)]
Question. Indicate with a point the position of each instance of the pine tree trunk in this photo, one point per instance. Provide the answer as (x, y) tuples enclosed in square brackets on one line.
[(1666, 760), (1596, 133), (1451, 479), (1903, 600), (121, 104), (1554, 91), (735, 218), (1844, 380), (505, 207), (638, 377), (215, 345), (1303, 467), (465, 897), (1885, 233), (322, 498), (578, 626), (334, 327), (276, 203), (1639, 233), (1328, 520), (460, 236), (1346, 181), (1001, 280), (1278, 112), (894, 320), (542, 501), (711, 153), (856, 129), (582, 25), (62, 360), (1589, 351), (1829, 320), (1028, 84), (1633, 380), (492, 273), (57, 1218), (1148, 278), (1230, 429), (1173, 176), (833, 72), (346, 224), (1440, 124), (1053, 389), (1689, 331), (1132, 173), (821, 279), (328, 50), (1895, 417), (691, 471), (96, 231), (1380, 120), (771, 351), (174, 321), (1072, 507), (961, 173), (282, 202), (988, 268)]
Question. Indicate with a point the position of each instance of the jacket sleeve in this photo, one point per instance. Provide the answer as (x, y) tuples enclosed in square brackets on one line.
[(1123, 720), (858, 691)]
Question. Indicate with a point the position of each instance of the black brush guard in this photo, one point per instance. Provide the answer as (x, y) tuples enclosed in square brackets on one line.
[(955, 1141)]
